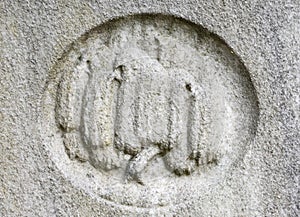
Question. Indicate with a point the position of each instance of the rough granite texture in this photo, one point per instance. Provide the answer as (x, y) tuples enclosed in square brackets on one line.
[(37, 36)]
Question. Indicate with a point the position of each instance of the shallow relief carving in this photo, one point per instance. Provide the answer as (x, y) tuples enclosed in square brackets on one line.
[(134, 107), (147, 101)]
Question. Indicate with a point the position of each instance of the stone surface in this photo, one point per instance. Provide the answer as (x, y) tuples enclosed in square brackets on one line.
[(149, 108)]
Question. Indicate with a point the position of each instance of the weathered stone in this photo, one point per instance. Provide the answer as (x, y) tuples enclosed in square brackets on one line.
[(174, 108)]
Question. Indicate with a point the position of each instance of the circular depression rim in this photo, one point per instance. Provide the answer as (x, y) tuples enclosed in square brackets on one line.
[(55, 76)]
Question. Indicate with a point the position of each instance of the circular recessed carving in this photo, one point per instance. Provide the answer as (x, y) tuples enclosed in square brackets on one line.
[(144, 106)]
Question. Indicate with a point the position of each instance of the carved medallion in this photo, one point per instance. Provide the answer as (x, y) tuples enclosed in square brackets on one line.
[(146, 101)]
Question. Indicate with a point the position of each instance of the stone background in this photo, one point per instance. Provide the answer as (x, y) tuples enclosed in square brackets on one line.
[(35, 34)]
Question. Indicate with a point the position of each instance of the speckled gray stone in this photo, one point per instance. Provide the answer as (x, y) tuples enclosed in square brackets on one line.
[(99, 102)]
